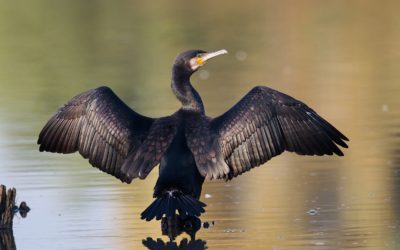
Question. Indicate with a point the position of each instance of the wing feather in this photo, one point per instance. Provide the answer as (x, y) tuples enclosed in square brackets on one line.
[(107, 132), (264, 124)]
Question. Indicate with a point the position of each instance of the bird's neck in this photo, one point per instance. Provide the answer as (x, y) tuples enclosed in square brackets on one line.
[(185, 92)]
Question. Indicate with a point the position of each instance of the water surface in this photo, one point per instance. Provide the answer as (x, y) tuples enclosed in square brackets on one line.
[(342, 58)]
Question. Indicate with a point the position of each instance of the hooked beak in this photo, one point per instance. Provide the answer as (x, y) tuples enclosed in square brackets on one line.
[(209, 55), (199, 61)]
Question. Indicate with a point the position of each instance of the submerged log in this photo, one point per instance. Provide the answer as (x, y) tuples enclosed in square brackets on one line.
[(7, 207)]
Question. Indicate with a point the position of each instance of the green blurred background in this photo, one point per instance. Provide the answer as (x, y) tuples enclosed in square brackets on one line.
[(342, 58)]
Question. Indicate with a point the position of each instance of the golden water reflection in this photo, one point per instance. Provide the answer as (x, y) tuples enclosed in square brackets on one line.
[(340, 57)]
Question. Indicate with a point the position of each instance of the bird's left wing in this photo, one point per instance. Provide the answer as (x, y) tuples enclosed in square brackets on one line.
[(264, 124), (107, 132)]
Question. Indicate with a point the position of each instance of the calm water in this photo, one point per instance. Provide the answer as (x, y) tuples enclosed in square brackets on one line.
[(340, 57)]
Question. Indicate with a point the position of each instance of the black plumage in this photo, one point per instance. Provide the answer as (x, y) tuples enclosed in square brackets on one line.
[(188, 145)]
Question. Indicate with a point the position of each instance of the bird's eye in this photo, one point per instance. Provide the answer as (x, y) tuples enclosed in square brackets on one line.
[(198, 55)]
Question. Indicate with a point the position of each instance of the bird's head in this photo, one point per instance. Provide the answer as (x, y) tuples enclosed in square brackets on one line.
[(192, 60)]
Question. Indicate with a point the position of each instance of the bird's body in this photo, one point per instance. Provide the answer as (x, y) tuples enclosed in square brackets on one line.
[(178, 170), (188, 145)]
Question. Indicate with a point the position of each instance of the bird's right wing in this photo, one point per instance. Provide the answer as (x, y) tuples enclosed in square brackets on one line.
[(107, 132), (265, 123)]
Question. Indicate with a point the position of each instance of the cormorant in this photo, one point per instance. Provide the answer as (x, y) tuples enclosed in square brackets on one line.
[(188, 145)]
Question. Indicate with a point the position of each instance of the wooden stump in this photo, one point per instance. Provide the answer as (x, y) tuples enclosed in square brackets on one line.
[(7, 205)]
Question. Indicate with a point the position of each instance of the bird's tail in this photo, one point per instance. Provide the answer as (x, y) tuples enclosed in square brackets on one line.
[(169, 202)]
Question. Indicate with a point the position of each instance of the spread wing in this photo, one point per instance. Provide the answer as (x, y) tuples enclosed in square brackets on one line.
[(107, 132), (264, 124)]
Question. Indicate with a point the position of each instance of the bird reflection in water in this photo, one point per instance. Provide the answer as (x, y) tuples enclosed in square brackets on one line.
[(175, 226)]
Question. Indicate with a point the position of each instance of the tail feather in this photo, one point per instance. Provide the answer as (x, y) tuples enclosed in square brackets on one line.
[(169, 202), (179, 206), (199, 209), (191, 207), (152, 209), (170, 208), (187, 207)]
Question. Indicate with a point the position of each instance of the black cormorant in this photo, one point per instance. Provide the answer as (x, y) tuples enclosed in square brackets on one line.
[(188, 145)]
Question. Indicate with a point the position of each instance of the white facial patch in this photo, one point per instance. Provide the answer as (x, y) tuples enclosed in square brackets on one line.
[(194, 65)]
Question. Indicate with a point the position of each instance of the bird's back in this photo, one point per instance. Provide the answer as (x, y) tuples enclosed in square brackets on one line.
[(178, 168)]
